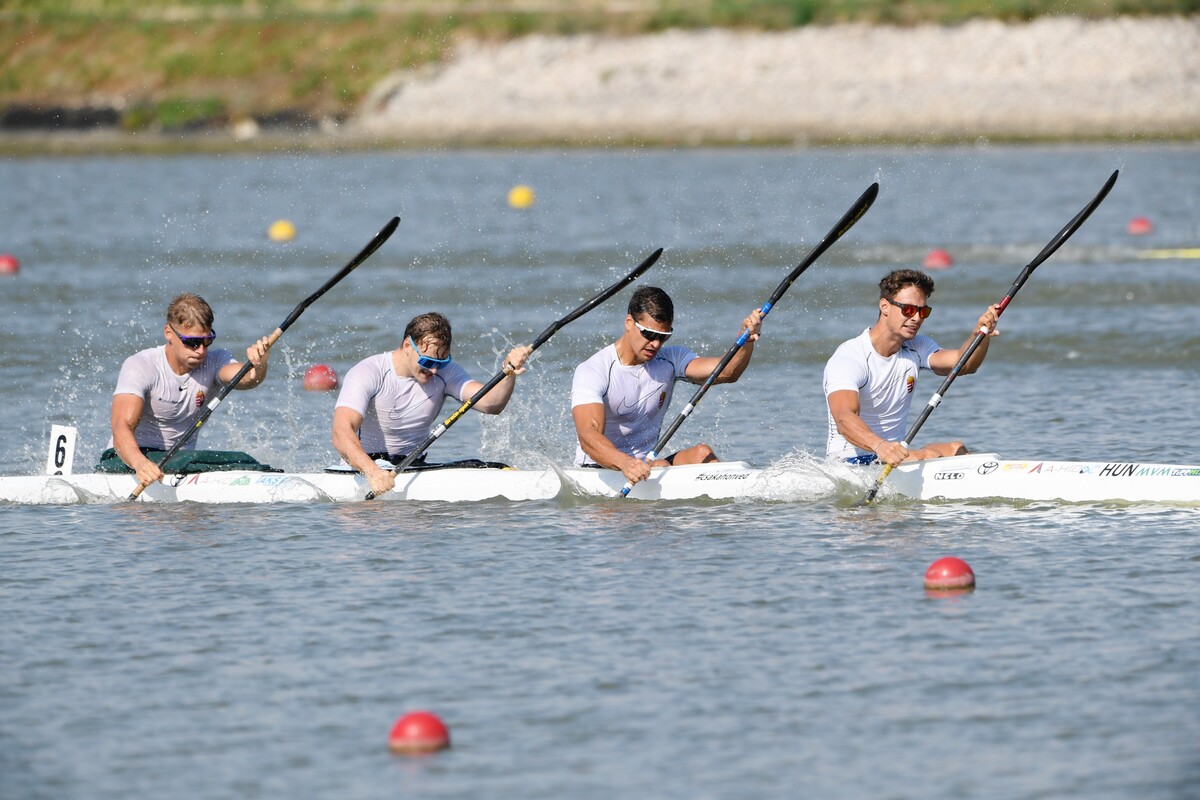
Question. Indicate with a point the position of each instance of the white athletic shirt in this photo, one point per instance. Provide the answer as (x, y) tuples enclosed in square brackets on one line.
[(884, 385), (635, 398), (396, 411), (170, 403)]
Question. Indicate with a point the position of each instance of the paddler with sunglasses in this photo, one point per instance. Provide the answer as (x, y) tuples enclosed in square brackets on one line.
[(620, 395), (869, 380), (162, 390), (389, 401)]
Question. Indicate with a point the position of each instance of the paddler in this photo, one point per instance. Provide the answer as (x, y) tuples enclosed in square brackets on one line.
[(869, 380), (161, 391), (388, 401), (620, 395)]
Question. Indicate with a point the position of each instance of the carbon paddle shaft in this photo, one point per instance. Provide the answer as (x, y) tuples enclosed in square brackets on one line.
[(1047, 251), (844, 224), (381, 237), (542, 338)]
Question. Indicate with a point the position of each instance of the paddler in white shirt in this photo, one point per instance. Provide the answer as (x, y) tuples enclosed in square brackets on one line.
[(389, 401), (620, 395), (162, 391), (869, 380)]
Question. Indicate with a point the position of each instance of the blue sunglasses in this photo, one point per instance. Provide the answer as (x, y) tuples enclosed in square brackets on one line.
[(194, 342), (428, 362)]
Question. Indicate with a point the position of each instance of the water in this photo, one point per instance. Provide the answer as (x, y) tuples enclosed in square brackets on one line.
[(581, 648)]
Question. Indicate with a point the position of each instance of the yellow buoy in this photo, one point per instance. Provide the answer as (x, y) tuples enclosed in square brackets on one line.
[(281, 231), (520, 196)]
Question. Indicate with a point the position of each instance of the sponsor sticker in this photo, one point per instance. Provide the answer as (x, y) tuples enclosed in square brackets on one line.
[(949, 476), (987, 468), (723, 476)]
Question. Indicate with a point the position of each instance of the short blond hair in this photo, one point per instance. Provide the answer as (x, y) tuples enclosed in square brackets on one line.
[(190, 310)]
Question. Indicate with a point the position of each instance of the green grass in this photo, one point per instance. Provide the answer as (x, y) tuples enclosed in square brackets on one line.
[(171, 61)]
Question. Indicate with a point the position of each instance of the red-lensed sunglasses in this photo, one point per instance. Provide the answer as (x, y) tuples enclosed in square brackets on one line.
[(910, 310)]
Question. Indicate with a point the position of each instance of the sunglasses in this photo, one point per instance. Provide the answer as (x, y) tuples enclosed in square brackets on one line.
[(428, 362), (651, 335), (194, 342), (910, 310)]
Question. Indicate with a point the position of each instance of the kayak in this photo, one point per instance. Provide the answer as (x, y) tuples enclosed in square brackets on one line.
[(456, 485), (986, 475), (983, 476)]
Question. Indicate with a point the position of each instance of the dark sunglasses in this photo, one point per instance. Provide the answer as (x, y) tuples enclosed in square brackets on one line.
[(194, 342), (651, 335), (428, 362), (910, 310)]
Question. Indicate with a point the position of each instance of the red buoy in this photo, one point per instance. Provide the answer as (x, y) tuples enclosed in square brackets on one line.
[(1139, 226), (938, 259), (320, 378), (949, 573), (418, 732), (9, 264)]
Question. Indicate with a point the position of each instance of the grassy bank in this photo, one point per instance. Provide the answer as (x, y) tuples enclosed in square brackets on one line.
[(180, 65)]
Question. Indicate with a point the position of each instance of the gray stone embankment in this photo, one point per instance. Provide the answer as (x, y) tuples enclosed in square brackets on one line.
[(1054, 78)]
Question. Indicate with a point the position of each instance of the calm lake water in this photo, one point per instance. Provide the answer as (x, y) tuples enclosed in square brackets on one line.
[(593, 648)]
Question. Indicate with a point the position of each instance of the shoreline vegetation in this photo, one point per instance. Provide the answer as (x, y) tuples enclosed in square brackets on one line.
[(214, 75)]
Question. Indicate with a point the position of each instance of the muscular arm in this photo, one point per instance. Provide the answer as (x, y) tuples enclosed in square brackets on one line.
[(494, 401), (699, 368), (126, 413), (257, 354), (589, 427), (346, 424), (943, 361), (844, 407)]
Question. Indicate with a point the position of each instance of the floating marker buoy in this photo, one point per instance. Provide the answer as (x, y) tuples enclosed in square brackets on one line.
[(1139, 226), (281, 231), (520, 196), (418, 732), (949, 573), (320, 378), (9, 264), (938, 259)]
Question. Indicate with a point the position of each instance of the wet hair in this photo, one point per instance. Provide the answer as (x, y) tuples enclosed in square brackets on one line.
[(896, 280), (431, 325), (190, 310), (654, 303)]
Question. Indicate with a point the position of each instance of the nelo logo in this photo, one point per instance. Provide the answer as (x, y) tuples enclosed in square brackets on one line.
[(949, 476)]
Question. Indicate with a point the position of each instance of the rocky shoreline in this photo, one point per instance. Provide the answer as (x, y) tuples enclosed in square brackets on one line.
[(1056, 78)]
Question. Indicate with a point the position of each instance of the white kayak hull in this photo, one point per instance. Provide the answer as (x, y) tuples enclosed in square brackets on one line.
[(973, 477), (719, 480), (986, 475), (451, 485)]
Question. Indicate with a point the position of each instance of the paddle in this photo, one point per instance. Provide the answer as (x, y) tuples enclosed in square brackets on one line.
[(844, 224), (538, 342), (381, 237), (1047, 251)]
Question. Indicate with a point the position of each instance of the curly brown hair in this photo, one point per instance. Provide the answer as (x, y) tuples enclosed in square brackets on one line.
[(897, 279), (430, 325)]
